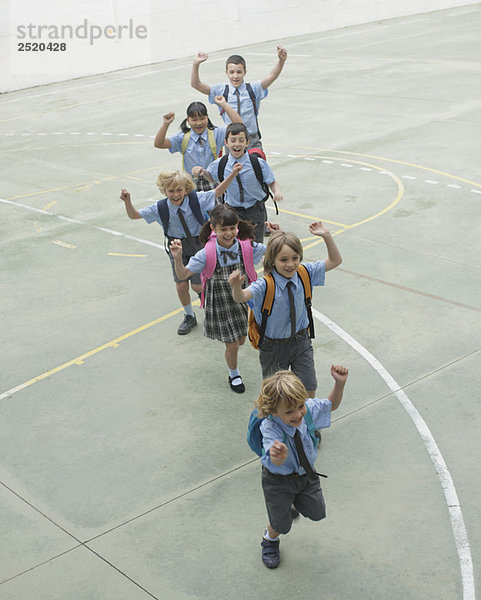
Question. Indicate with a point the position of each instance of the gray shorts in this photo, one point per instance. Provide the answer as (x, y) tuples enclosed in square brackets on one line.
[(190, 246), (280, 491), (296, 354), (257, 215)]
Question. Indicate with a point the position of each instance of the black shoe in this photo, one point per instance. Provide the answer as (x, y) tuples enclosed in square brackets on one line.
[(267, 231), (271, 554), (187, 324), (239, 388), (294, 512)]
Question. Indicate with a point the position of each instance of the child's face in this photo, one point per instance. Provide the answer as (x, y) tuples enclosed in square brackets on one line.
[(287, 261), (237, 144), (175, 193), (198, 123), (291, 415), (235, 74), (225, 234)]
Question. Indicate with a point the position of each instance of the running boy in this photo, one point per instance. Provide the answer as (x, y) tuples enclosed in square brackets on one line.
[(289, 481), (184, 218), (246, 195), (245, 98)]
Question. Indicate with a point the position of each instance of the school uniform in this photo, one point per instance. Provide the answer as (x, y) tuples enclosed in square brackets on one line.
[(245, 107), (191, 243), (288, 484), (225, 320), (247, 196), (198, 152), (279, 351)]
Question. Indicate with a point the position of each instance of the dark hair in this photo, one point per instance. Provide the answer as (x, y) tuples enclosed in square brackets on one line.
[(235, 129), (193, 110), (225, 215), (235, 59)]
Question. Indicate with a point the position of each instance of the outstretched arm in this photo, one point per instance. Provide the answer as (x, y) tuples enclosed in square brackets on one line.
[(276, 71), (278, 453), (195, 81), (176, 251), (131, 212), (339, 374), (221, 188), (236, 279), (160, 140), (334, 258), (225, 106), (276, 192)]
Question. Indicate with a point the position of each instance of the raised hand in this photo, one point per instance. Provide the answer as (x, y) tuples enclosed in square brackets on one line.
[(124, 195), (168, 117), (339, 373), (201, 57), (318, 228)]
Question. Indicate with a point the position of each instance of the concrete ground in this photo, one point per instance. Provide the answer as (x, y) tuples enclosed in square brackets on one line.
[(124, 468)]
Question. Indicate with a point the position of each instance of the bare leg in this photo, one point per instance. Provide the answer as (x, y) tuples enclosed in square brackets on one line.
[(183, 293), (231, 351)]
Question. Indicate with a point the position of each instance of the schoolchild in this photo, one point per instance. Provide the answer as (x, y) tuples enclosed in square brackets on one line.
[(289, 480), (287, 343), (198, 140), (185, 211), (246, 195), (225, 320), (243, 97)]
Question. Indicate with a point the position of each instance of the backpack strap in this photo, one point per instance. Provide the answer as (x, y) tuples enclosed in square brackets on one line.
[(248, 259), (195, 207), (212, 144), (221, 167), (210, 264), (311, 426), (183, 146), (306, 284), (163, 210), (266, 306), (252, 96), (258, 173)]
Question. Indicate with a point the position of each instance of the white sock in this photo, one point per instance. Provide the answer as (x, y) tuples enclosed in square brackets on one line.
[(188, 310), (268, 537)]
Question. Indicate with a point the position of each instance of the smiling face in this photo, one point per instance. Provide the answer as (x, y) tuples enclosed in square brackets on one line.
[(235, 74), (175, 193), (237, 144), (226, 234), (291, 415), (198, 123), (287, 261)]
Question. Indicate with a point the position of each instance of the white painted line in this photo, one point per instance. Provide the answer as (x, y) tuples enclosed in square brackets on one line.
[(69, 220), (365, 169), (8, 134), (475, 191), (347, 165), (408, 177), (431, 181), (25, 134), (447, 484), (452, 185), (106, 134), (328, 162), (43, 133), (75, 133), (139, 135), (58, 133), (122, 134), (91, 133), (293, 156), (276, 153), (309, 158)]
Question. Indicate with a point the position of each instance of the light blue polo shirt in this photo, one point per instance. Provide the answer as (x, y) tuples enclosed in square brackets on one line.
[(206, 202), (247, 110), (225, 256), (198, 152), (275, 429), (253, 191), (278, 323)]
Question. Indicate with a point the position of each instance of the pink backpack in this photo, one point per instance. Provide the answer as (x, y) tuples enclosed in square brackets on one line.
[(211, 262)]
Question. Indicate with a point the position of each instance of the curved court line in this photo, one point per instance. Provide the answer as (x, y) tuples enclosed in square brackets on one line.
[(452, 501)]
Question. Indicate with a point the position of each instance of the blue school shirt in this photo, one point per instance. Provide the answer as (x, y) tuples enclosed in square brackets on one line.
[(253, 191), (247, 110), (206, 202), (279, 323), (197, 262), (197, 153), (275, 429)]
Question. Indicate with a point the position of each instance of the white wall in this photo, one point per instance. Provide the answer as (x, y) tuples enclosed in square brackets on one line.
[(173, 29)]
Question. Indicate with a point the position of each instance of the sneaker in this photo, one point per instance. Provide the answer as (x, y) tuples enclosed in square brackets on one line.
[(187, 324), (271, 554), (238, 386)]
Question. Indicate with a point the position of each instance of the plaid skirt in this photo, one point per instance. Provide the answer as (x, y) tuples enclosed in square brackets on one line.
[(224, 320), (203, 184)]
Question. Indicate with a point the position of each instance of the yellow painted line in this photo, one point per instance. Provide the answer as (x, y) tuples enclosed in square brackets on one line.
[(49, 205), (129, 255), (63, 244)]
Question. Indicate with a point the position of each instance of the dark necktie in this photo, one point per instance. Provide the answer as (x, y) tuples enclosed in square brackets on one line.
[(201, 141), (292, 309), (237, 95), (228, 253), (241, 188), (305, 464), (183, 223)]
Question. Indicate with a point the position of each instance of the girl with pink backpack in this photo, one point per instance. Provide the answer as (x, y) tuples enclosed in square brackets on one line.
[(228, 246)]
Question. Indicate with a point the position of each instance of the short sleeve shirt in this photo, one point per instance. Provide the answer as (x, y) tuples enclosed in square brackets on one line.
[(198, 152), (247, 109), (197, 263)]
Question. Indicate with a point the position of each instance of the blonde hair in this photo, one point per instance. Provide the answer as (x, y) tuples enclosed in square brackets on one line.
[(180, 178), (283, 385), (274, 246)]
